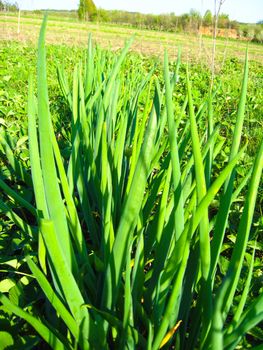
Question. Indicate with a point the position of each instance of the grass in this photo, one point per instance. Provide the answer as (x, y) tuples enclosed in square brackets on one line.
[(127, 222)]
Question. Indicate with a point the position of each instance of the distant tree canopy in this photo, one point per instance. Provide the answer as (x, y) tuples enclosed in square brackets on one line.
[(87, 10), (208, 19), (169, 22), (8, 6), (187, 22)]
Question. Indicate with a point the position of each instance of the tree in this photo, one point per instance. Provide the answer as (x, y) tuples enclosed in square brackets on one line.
[(184, 21), (258, 34), (223, 20), (218, 4), (8, 6), (102, 16), (208, 18), (195, 19), (87, 10)]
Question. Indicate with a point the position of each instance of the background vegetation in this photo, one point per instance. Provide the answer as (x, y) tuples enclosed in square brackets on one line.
[(189, 22)]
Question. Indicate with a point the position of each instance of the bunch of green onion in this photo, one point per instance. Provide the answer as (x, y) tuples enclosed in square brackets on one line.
[(128, 246)]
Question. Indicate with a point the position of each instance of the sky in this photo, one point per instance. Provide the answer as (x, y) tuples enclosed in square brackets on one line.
[(249, 11)]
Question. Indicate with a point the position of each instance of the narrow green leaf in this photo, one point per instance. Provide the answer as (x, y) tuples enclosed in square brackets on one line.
[(176, 171), (131, 209), (39, 326), (53, 298), (226, 199), (237, 257), (51, 185)]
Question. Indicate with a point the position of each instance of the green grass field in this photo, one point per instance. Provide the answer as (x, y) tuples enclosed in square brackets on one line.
[(68, 31), (130, 194)]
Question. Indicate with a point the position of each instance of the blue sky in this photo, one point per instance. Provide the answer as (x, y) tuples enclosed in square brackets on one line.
[(241, 10)]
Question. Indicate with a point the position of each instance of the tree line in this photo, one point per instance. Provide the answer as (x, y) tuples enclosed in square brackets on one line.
[(187, 22), (169, 22), (191, 21)]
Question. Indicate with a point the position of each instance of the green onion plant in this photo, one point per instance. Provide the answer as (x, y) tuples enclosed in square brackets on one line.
[(125, 231)]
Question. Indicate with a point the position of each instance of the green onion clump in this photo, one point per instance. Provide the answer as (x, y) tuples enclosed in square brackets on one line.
[(127, 227)]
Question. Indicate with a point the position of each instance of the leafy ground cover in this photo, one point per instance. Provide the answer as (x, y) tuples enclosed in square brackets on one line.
[(18, 58), (131, 208)]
